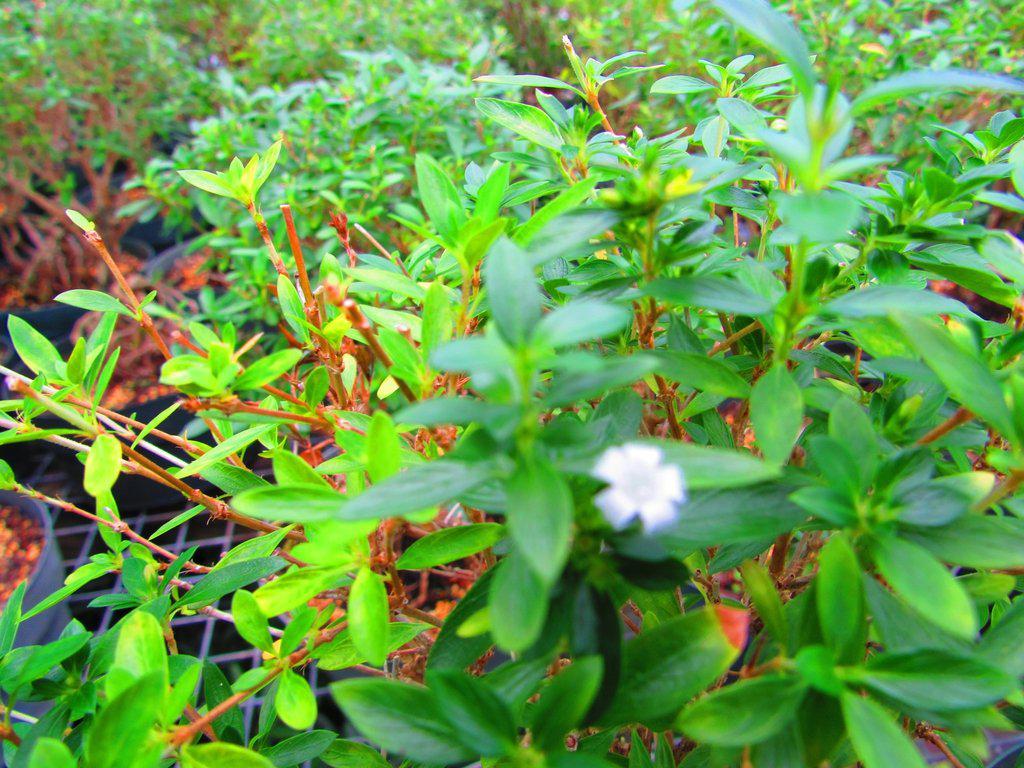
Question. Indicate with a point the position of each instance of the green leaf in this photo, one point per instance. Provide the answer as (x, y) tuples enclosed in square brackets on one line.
[(222, 450), (295, 503), (539, 513), (80, 221), (438, 321), (401, 718), (776, 411), (524, 120), (250, 622), (221, 754), (679, 85), (341, 652), (667, 665), (747, 712), (481, 720), (518, 603), (977, 541), (715, 293), (420, 487), (439, 197), (579, 321), (139, 652), (93, 300), (775, 30), (704, 373), (210, 182), (226, 580), (352, 754), (877, 739), (526, 81), (122, 729), (878, 301), (564, 702), (839, 594), (368, 616), (292, 308), (383, 447), (34, 349), (452, 651), (741, 115), (761, 588), (11, 618), (301, 749), (816, 217), (294, 701), (267, 369), (567, 200), (291, 469), (512, 292), (450, 544), (966, 377), (1001, 645), (102, 465), (926, 585), (50, 753), (933, 680), (932, 81), (295, 588), (706, 467)]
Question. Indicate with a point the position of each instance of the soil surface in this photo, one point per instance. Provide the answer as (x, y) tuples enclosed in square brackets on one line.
[(21, 545)]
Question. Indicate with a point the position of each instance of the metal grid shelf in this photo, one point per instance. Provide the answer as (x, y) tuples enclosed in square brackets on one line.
[(199, 635)]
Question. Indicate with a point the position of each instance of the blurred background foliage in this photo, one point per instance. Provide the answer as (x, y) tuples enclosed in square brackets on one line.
[(105, 99)]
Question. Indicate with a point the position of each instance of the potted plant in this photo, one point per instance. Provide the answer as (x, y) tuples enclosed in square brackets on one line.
[(675, 522), (87, 93)]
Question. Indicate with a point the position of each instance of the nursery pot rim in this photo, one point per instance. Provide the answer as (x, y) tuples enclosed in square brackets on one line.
[(39, 512)]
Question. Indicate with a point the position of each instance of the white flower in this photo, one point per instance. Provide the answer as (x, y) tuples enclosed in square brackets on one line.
[(640, 486)]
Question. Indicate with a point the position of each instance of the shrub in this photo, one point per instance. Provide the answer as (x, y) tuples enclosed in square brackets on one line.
[(349, 144), (90, 92), (685, 459)]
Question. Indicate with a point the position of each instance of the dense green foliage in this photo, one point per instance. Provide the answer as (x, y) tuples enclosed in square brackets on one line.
[(629, 447)]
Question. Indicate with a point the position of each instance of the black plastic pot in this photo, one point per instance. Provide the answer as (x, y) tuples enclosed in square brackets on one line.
[(46, 579), (56, 321)]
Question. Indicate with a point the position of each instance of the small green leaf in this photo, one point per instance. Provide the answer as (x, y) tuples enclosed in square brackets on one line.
[(540, 515), (524, 120), (222, 754), (879, 742), (776, 411), (93, 300), (839, 594), (294, 701), (368, 616), (211, 182), (383, 447), (34, 349), (250, 622), (932, 81), (450, 544), (926, 585), (50, 753), (747, 712), (224, 581), (512, 292), (80, 221), (102, 465), (402, 718)]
